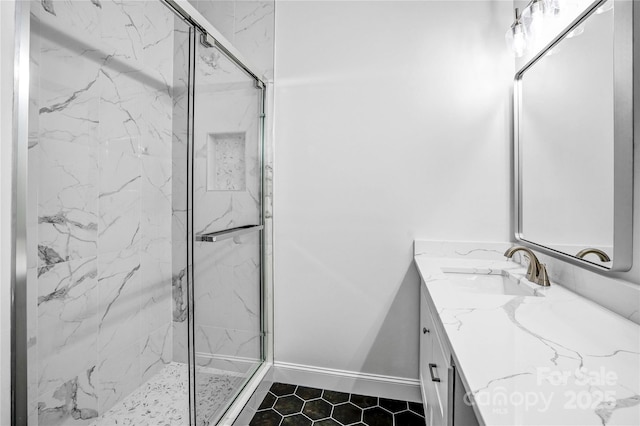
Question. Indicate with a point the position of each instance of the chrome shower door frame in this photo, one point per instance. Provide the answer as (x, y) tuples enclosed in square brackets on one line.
[(19, 365), (18, 286)]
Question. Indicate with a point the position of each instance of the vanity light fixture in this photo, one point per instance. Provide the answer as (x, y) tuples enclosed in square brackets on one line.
[(541, 20)]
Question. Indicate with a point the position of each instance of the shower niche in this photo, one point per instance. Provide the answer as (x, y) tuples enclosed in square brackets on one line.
[(226, 164)]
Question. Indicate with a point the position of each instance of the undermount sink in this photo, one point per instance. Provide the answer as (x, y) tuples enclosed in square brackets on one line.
[(497, 284)]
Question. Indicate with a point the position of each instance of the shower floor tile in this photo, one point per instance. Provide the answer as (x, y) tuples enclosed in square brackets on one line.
[(164, 399), (292, 405)]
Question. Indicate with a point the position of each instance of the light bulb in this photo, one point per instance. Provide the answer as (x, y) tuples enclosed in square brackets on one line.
[(551, 8), (515, 37), (537, 19), (519, 42)]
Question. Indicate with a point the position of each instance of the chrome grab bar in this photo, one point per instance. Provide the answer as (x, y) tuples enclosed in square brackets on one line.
[(212, 237)]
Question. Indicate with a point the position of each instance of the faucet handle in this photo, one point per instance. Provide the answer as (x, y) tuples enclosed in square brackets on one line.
[(531, 265), (543, 276)]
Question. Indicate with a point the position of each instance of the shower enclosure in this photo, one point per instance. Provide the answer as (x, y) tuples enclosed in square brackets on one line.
[(139, 292)]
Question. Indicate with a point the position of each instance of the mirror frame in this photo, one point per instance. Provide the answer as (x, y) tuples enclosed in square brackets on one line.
[(623, 50)]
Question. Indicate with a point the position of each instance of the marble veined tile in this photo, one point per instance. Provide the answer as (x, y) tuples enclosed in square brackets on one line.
[(118, 301), (67, 306), (68, 103), (180, 341), (179, 293), (225, 343), (227, 283), (179, 184), (158, 38), (79, 19), (121, 109), (213, 67), (155, 351), (254, 33), (156, 302), (220, 13), (72, 403), (119, 201), (120, 28), (67, 202), (32, 345), (156, 194), (157, 137), (118, 374), (33, 168)]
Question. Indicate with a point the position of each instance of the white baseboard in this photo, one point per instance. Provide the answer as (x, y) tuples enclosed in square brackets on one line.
[(348, 381)]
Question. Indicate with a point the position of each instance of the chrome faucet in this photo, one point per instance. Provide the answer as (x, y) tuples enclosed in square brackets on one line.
[(537, 272), (602, 255)]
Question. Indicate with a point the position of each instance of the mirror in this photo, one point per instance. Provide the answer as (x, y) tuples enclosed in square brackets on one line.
[(573, 142)]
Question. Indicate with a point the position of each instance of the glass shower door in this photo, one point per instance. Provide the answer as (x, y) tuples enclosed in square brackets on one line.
[(227, 224), (107, 121)]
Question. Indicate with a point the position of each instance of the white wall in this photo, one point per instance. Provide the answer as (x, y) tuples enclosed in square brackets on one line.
[(392, 123), (6, 127)]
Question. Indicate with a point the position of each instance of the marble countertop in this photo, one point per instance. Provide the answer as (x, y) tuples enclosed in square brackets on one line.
[(558, 359)]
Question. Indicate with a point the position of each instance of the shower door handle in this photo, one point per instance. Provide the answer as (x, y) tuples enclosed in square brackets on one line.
[(212, 237)]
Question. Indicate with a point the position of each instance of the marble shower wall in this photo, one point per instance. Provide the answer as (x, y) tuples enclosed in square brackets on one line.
[(100, 202)]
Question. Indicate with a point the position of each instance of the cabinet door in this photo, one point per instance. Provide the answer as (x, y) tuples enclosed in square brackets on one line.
[(426, 332), (439, 377), (433, 366)]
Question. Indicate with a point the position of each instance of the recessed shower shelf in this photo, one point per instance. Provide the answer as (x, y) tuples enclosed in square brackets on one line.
[(228, 233)]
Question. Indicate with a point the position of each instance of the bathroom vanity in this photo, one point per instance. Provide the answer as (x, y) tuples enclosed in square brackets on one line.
[(496, 349)]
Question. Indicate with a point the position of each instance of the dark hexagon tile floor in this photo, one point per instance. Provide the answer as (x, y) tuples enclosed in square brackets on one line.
[(291, 405)]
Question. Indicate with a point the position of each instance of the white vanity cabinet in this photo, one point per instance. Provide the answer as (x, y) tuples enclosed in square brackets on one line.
[(443, 392), (434, 365)]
